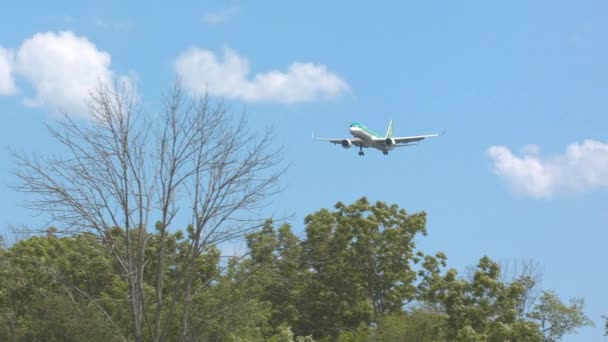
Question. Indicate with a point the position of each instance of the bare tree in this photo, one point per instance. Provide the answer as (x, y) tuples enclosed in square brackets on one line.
[(195, 165), (529, 273)]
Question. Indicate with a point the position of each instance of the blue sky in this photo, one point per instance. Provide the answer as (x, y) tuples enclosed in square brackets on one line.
[(519, 86)]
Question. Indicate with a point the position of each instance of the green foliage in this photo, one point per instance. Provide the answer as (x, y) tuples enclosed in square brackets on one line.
[(420, 325), (276, 260), (54, 289), (360, 259), (556, 318), (352, 276), (60, 318), (355, 276), (68, 289), (231, 309), (284, 334), (484, 308)]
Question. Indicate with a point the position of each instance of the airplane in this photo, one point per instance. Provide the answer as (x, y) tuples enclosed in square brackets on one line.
[(366, 138)]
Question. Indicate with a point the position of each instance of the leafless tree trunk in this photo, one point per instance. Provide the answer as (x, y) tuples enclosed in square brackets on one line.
[(530, 273), (122, 171)]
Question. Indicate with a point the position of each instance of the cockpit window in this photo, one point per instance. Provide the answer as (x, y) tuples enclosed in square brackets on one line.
[(355, 124)]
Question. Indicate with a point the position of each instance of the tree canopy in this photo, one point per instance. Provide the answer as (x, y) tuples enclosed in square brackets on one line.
[(356, 274)]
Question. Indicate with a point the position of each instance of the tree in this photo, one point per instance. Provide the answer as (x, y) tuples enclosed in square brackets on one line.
[(353, 266), (65, 289), (529, 274), (277, 258), (419, 324), (483, 308), (68, 288), (56, 290), (285, 334), (557, 319), (8, 307), (123, 171), (359, 258)]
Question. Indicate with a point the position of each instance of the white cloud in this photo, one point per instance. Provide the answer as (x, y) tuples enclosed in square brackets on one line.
[(7, 83), (63, 68), (582, 167), (218, 17), (531, 149), (201, 71)]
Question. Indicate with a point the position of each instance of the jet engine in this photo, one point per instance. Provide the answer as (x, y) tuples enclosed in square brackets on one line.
[(389, 141), (347, 143)]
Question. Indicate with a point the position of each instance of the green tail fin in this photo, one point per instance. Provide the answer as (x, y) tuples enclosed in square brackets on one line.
[(389, 132)]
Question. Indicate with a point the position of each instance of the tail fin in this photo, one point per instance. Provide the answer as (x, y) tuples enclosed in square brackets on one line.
[(389, 132)]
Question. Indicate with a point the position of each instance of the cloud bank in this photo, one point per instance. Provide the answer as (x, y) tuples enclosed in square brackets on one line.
[(202, 71), (582, 167), (7, 83), (62, 70)]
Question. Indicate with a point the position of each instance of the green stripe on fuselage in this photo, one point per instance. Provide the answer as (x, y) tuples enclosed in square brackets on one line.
[(365, 129), (370, 132)]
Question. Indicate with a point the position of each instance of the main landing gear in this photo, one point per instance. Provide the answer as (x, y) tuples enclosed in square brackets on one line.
[(361, 153)]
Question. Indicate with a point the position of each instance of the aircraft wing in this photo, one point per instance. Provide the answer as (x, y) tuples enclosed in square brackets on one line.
[(406, 140), (411, 139), (355, 141)]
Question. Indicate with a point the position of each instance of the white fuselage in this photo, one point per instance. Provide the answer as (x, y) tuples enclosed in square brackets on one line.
[(369, 139)]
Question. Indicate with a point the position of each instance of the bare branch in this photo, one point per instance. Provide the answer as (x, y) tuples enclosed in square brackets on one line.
[(194, 165)]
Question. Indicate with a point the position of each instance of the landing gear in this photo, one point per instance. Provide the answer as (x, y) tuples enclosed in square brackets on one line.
[(385, 153), (361, 151)]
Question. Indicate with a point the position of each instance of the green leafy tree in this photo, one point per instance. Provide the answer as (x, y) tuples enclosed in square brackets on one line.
[(356, 276), (417, 325), (9, 297), (557, 319), (360, 259), (231, 308), (60, 317), (56, 290), (284, 334), (276, 256), (67, 289), (484, 308)]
